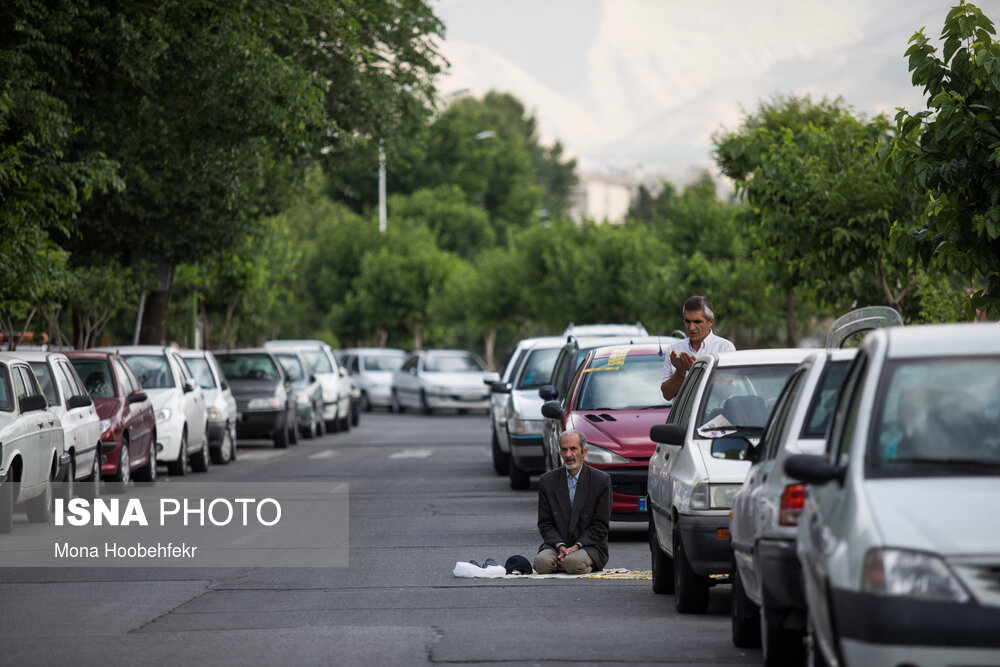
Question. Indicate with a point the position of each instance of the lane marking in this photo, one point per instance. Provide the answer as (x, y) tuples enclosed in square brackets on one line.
[(261, 455), (325, 454), (412, 454)]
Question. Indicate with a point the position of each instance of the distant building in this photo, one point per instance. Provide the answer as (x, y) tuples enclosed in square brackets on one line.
[(601, 198)]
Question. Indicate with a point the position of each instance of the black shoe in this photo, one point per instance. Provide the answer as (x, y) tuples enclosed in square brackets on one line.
[(490, 562), (475, 563)]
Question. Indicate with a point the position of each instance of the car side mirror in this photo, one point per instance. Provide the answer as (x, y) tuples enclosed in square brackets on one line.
[(80, 401), (489, 377), (137, 397), (667, 434), (499, 387), (312, 378), (33, 403), (188, 386), (341, 371), (224, 385), (552, 410), (548, 393), (814, 469)]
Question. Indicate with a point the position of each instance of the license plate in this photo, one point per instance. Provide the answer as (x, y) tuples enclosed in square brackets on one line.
[(642, 503)]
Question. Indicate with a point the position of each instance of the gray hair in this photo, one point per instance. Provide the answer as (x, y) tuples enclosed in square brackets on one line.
[(583, 438), (699, 303)]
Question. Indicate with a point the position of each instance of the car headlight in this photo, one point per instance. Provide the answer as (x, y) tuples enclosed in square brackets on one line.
[(270, 403), (106, 424), (215, 414), (518, 426), (302, 399), (910, 574), (714, 496), (162, 415), (597, 454), (441, 390)]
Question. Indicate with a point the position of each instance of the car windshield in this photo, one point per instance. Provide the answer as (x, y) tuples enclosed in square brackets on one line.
[(383, 362), (44, 377), (293, 366), (938, 417), (452, 363), (152, 370), (741, 396), (620, 382), (537, 368), (825, 399), (201, 371), (318, 360), (96, 375), (247, 367)]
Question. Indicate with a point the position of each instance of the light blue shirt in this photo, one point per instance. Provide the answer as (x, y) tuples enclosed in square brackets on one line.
[(572, 480)]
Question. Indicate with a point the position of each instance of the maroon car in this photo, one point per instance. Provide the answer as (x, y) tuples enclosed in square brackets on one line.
[(613, 400), (128, 426)]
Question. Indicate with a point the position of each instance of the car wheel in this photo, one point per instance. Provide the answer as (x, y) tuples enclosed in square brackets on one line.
[(123, 473), (690, 589), (91, 487), (293, 431), (147, 473), (366, 405), (320, 425), (39, 508), (345, 423), (780, 646), (201, 461), (661, 564), (355, 413), (395, 405), (179, 467), (281, 437), (519, 479), (425, 409), (745, 615), (224, 454), (309, 432), (501, 459), (6, 506), (235, 444)]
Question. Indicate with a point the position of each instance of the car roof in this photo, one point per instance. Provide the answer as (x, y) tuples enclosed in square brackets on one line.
[(10, 358), (134, 349), (630, 349), (939, 340), (394, 351), (443, 351), (245, 350), (542, 342), (36, 355), (787, 355), (601, 330)]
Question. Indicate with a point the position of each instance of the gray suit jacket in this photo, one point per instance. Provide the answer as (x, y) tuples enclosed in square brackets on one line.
[(586, 522)]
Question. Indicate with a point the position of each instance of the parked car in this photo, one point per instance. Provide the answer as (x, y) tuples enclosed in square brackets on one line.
[(178, 404), (613, 400), (308, 392), (220, 405), (371, 368), (529, 367), (604, 330), (768, 603), (69, 400), (31, 444), (265, 398), (128, 422), (899, 538), (338, 412), (699, 465), (432, 380)]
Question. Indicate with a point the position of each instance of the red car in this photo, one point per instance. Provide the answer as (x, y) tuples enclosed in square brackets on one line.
[(613, 400), (128, 425)]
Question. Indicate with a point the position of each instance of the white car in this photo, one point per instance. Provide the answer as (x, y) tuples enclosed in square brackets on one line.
[(699, 466), (69, 400), (220, 406), (31, 444), (604, 330), (333, 377), (432, 380), (178, 403), (899, 539), (768, 603), (371, 368)]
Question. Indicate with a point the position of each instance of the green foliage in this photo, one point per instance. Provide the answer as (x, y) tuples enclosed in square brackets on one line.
[(458, 226), (951, 152)]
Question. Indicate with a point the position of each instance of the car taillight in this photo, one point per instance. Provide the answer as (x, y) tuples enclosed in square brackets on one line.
[(793, 499)]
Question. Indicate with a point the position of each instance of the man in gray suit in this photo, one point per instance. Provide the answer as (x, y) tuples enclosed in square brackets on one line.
[(574, 512)]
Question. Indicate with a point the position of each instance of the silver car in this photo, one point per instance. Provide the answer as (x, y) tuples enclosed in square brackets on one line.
[(899, 539), (371, 369), (432, 380), (308, 391), (768, 604), (220, 405)]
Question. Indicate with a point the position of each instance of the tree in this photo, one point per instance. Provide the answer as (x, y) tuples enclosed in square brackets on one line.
[(951, 152), (458, 226)]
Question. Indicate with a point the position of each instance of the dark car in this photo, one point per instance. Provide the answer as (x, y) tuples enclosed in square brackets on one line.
[(128, 423), (265, 398), (613, 400)]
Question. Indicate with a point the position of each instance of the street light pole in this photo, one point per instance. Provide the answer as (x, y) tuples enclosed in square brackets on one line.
[(381, 189)]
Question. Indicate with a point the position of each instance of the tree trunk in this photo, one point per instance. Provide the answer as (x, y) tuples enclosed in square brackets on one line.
[(491, 341), (418, 339), (790, 319), (154, 318)]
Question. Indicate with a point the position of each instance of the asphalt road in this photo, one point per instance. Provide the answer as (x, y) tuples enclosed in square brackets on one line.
[(423, 495)]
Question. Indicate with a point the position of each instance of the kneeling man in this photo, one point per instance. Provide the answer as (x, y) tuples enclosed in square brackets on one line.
[(574, 512)]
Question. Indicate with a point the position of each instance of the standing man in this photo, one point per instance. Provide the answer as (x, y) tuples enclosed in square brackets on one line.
[(698, 319), (574, 512)]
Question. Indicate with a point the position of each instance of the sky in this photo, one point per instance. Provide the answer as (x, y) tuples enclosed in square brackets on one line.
[(644, 84)]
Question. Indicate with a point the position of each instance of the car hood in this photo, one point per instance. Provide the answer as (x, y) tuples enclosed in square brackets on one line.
[(627, 431), (246, 388), (162, 397), (944, 515), (454, 380), (527, 403)]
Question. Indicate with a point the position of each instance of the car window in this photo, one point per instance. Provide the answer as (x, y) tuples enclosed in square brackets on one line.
[(410, 363), (73, 377), (126, 378), (537, 368), (6, 396), (742, 395), (44, 376), (825, 399), (560, 370), (845, 414), (30, 383), (452, 363), (96, 378), (937, 416), (318, 360), (293, 365), (248, 366), (201, 371), (778, 423), (680, 413), (20, 388), (151, 370), (382, 362), (179, 367), (622, 382)]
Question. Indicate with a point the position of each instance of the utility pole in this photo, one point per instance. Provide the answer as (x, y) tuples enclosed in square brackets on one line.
[(381, 189)]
